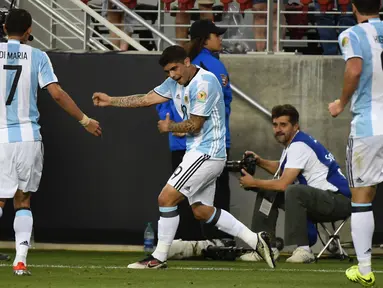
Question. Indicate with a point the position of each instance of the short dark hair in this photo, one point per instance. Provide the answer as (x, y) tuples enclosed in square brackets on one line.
[(285, 110), (173, 54), (17, 22), (367, 7)]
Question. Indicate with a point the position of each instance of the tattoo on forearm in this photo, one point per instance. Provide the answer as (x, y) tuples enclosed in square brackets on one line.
[(188, 126), (133, 101)]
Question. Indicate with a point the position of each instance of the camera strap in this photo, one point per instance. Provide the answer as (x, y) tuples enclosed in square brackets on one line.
[(267, 204)]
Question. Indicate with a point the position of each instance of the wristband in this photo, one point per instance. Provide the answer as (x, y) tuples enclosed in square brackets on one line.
[(85, 121)]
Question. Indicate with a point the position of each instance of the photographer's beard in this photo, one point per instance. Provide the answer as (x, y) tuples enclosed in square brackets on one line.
[(281, 138), (285, 138)]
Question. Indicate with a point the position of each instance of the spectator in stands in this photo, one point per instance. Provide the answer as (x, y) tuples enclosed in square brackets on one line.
[(116, 18), (261, 19), (322, 194), (184, 19), (333, 20)]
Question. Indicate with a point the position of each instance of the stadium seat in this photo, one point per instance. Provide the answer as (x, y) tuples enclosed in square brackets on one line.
[(333, 244), (226, 4), (185, 4), (245, 4)]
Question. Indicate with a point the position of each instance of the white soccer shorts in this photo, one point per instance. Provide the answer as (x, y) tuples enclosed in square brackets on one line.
[(364, 161), (21, 166), (195, 177)]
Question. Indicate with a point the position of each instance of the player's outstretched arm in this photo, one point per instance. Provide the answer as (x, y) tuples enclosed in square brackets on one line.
[(132, 101), (192, 125), (67, 103)]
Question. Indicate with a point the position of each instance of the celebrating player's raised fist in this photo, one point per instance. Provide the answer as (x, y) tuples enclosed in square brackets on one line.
[(101, 99)]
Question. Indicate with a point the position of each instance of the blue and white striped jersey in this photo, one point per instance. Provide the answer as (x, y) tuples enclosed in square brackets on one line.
[(203, 96), (22, 68), (365, 41)]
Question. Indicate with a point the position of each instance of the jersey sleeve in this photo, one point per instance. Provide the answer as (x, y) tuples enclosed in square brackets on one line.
[(164, 89), (46, 73), (206, 96), (298, 155), (350, 45)]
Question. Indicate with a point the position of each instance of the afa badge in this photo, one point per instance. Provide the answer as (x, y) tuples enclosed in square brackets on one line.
[(201, 96), (345, 41), (186, 99)]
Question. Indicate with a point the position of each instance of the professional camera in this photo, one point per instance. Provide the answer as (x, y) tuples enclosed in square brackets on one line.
[(3, 16), (248, 163)]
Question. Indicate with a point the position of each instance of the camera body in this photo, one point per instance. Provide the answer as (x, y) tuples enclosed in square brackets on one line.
[(3, 15), (248, 163)]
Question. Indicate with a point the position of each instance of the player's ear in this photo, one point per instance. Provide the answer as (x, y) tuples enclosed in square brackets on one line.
[(187, 62)]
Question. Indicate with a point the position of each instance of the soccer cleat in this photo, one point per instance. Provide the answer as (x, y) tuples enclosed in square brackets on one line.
[(264, 248), (148, 263), (301, 255), (21, 270), (354, 275), (255, 257), (4, 257)]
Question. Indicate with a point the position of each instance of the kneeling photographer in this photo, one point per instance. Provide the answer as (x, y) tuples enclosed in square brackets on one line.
[(308, 184)]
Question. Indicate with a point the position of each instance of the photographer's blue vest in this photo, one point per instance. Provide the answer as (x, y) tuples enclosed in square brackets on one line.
[(334, 175)]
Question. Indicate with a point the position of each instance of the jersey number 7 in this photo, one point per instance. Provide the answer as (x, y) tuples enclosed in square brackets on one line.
[(18, 69)]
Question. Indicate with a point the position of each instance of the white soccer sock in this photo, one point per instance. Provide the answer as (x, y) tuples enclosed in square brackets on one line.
[(229, 224), (167, 228), (22, 225), (307, 248), (362, 230)]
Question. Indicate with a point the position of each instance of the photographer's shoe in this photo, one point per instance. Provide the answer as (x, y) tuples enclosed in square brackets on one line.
[(301, 255), (354, 275), (255, 257), (264, 248)]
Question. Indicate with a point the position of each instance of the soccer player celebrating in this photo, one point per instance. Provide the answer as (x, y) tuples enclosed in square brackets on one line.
[(22, 69), (362, 48), (203, 107)]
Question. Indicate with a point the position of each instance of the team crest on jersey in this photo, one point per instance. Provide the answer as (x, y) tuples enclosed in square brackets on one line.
[(201, 96), (186, 99), (225, 80), (345, 41)]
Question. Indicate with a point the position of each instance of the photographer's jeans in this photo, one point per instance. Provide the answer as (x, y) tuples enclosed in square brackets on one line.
[(301, 202), (304, 202)]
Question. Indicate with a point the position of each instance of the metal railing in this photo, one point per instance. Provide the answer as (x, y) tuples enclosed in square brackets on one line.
[(87, 30)]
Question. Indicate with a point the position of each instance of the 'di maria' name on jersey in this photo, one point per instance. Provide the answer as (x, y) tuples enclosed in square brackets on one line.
[(14, 55)]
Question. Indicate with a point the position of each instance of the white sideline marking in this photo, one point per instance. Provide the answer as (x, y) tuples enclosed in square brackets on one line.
[(190, 268)]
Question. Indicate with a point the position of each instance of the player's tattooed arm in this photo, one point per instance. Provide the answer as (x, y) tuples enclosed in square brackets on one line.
[(192, 125), (132, 101)]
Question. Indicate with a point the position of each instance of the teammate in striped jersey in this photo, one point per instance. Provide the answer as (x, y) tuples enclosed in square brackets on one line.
[(362, 47), (22, 69), (198, 96)]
